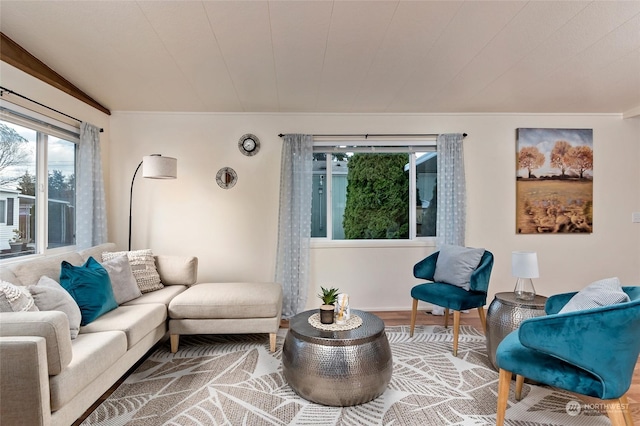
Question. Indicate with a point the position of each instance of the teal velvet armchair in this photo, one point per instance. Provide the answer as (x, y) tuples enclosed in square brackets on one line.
[(590, 352), (449, 296)]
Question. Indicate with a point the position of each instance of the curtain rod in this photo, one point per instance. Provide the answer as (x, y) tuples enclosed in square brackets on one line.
[(38, 103), (367, 135)]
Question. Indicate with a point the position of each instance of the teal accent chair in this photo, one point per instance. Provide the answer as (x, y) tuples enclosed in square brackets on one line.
[(589, 352), (450, 296)]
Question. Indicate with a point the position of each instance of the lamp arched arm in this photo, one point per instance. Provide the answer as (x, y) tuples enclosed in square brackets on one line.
[(131, 200)]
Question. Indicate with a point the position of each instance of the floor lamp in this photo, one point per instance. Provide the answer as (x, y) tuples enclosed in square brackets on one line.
[(155, 166)]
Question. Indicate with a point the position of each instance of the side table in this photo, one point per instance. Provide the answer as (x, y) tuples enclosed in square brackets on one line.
[(505, 314)]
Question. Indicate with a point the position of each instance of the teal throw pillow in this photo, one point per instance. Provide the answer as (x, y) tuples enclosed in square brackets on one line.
[(90, 287)]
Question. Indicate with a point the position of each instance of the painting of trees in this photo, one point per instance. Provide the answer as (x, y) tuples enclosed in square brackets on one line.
[(560, 156), (530, 158), (580, 159), (554, 181)]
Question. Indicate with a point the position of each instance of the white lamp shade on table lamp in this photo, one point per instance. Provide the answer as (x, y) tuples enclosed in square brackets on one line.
[(524, 266)]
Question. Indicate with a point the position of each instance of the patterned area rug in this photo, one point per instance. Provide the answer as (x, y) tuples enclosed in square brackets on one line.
[(235, 380)]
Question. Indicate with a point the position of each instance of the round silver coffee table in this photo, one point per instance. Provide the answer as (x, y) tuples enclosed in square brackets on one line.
[(337, 368), (505, 314)]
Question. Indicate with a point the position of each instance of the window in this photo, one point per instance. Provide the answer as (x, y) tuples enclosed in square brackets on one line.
[(374, 192), (37, 180)]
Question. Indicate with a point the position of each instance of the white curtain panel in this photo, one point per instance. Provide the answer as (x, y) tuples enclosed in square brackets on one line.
[(294, 222), (91, 212), (452, 196)]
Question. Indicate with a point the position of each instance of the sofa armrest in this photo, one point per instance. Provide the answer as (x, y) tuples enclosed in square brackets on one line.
[(53, 326), (24, 383), (177, 269)]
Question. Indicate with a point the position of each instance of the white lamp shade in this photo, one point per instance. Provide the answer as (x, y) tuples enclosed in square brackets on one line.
[(159, 167), (524, 264)]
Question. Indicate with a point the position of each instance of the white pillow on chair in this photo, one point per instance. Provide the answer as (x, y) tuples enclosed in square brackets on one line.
[(600, 293), (455, 265)]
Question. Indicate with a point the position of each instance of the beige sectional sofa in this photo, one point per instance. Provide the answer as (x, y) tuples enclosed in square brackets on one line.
[(47, 378)]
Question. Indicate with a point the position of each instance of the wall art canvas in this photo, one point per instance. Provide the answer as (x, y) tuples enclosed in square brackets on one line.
[(554, 181)]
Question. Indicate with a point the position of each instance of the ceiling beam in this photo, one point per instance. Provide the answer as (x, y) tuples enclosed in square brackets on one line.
[(632, 113), (13, 54)]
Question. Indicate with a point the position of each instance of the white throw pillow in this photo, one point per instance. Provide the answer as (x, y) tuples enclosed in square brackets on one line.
[(143, 267), (15, 298), (455, 265), (51, 296), (125, 287), (600, 293)]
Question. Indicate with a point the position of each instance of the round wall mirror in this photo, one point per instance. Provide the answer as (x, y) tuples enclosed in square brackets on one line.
[(226, 177)]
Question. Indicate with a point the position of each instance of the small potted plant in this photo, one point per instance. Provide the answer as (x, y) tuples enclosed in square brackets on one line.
[(328, 297), (18, 241)]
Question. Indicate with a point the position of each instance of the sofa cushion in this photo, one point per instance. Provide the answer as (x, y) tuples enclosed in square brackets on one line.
[(123, 282), (600, 293), (7, 275), (90, 287), (227, 300), (164, 296), (135, 321), (93, 354), (455, 265), (30, 272), (143, 266), (177, 270), (96, 251), (51, 296), (15, 298)]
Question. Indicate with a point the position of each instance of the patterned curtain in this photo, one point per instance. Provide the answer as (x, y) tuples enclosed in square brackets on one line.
[(91, 212), (452, 206), (294, 222)]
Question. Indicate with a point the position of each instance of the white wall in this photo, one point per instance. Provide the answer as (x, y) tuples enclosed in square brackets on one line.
[(233, 232)]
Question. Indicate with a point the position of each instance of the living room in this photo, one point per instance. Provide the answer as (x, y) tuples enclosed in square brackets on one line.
[(234, 232)]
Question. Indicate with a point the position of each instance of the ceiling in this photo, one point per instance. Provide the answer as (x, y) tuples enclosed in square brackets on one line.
[(340, 56)]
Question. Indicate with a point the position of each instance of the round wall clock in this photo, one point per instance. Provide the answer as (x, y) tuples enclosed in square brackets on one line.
[(249, 144), (226, 178)]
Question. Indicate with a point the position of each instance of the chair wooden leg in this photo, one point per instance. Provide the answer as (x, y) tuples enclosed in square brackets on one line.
[(624, 403), (616, 412), (504, 381), (414, 312), (446, 317), (456, 331), (519, 383), (483, 319)]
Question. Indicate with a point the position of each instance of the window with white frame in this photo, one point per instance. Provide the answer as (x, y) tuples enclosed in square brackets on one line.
[(374, 191), (37, 178)]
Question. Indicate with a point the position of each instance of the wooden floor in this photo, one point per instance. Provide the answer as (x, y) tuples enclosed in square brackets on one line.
[(403, 318)]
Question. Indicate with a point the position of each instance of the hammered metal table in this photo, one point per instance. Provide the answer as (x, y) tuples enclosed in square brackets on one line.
[(337, 368), (505, 314)]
